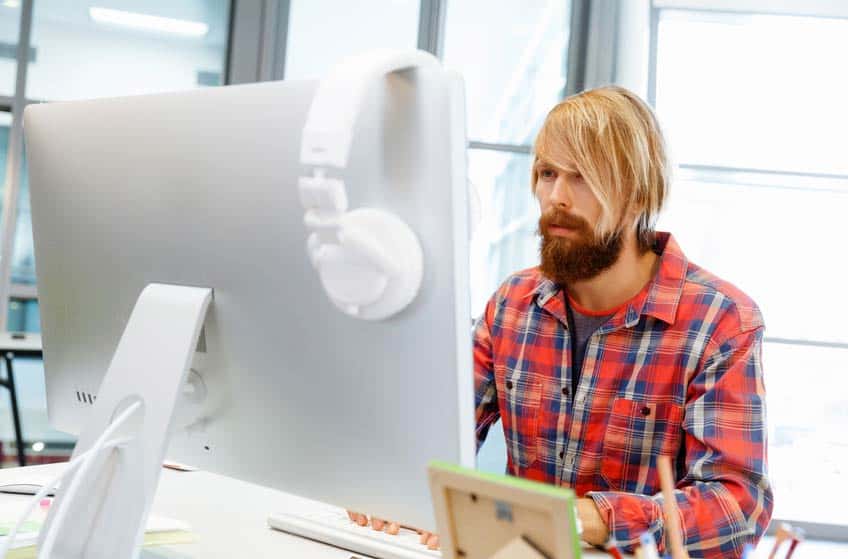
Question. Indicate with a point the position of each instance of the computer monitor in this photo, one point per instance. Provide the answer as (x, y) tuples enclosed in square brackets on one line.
[(200, 188)]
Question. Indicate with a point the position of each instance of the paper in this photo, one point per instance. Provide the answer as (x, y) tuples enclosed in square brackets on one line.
[(26, 527), (158, 531), (150, 540)]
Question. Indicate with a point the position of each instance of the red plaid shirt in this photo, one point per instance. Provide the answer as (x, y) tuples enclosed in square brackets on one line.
[(676, 371)]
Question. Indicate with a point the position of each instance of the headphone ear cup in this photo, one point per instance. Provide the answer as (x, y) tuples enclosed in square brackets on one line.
[(349, 277), (375, 270)]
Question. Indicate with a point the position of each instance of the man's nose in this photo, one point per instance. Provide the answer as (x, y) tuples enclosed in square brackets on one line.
[(561, 195)]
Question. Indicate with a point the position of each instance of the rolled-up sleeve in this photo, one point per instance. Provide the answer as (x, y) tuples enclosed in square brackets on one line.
[(485, 392), (724, 499)]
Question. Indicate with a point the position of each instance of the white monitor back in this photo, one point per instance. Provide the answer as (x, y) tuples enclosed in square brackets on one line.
[(200, 188)]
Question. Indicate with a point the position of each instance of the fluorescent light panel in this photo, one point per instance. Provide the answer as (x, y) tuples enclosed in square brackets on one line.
[(149, 23)]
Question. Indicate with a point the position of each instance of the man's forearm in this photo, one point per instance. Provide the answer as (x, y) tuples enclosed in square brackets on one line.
[(717, 518)]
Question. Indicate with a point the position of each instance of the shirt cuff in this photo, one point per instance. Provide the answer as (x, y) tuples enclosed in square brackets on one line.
[(628, 516)]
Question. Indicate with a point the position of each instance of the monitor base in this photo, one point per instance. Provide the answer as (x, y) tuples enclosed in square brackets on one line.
[(105, 516)]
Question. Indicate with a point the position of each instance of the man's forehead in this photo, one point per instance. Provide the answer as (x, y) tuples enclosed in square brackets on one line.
[(560, 161)]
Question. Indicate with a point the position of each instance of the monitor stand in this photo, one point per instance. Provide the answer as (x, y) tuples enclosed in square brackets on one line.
[(105, 517)]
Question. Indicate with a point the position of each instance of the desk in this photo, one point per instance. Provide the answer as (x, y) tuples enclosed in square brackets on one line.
[(227, 515)]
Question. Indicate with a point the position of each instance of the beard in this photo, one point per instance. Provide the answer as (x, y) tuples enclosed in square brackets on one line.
[(578, 257)]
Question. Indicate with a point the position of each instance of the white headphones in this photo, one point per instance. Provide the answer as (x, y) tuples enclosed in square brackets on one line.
[(369, 260)]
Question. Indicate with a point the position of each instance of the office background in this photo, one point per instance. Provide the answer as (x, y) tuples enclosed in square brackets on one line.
[(750, 92)]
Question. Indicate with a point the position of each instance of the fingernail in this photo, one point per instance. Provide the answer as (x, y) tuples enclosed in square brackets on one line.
[(433, 542)]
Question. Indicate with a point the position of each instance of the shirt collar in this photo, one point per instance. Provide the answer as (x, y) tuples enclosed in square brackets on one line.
[(660, 300)]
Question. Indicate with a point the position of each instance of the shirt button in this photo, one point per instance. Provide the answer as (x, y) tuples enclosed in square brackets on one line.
[(509, 385), (565, 390), (561, 453), (646, 411)]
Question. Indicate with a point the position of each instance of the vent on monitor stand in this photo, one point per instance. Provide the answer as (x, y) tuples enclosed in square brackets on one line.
[(85, 397)]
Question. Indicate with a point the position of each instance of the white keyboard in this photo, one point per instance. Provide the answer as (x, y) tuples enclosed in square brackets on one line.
[(332, 526)]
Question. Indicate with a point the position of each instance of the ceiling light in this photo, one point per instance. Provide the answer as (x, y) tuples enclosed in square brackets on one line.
[(12, 3), (149, 23)]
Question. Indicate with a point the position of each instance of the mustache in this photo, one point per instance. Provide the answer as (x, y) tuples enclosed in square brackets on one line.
[(558, 218)]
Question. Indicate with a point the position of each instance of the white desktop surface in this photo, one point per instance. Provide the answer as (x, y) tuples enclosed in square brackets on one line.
[(228, 517)]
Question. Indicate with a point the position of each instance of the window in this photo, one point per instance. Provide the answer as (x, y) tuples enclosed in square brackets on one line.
[(81, 50), (514, 64), (317, 41), (10, 17), (753, 104), (105, 48)]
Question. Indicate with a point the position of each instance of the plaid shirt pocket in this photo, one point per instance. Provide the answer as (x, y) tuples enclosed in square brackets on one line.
[(523, 396), (638, 432)]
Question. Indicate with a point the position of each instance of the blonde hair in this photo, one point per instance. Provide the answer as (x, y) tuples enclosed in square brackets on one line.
[(615, 141)]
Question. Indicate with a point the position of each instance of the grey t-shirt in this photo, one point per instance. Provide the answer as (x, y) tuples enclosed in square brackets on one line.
[(581, 327)]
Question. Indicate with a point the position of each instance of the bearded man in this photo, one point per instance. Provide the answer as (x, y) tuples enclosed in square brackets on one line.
[(616, 349)]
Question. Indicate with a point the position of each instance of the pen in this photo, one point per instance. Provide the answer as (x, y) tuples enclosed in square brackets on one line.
[(672, 521), (783, 533), (797, 537)]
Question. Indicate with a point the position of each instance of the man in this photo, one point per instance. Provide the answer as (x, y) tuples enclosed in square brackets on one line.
[(617, 350)]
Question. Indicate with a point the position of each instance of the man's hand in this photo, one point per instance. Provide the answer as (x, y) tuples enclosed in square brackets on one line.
[(427, 538), (595, 530)]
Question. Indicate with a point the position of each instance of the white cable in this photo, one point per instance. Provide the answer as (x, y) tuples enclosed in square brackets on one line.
[(42, 493), (76, 481), (85, 459), (45, 489)]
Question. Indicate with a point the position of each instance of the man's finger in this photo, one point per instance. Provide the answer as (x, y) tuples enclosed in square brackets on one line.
[(393, 529), (424, 537), (433, 542), (351, 515), (378, 523), (361, 519)]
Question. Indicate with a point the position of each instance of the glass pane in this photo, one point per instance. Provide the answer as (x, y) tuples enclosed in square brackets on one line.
[(513, 61), (32, 403), (754, 91), (23, 259), (23, 316), (323, 31), (10, 23), (5, 127), (106, 48), (505, 239), (776, 243), (808, 428)]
